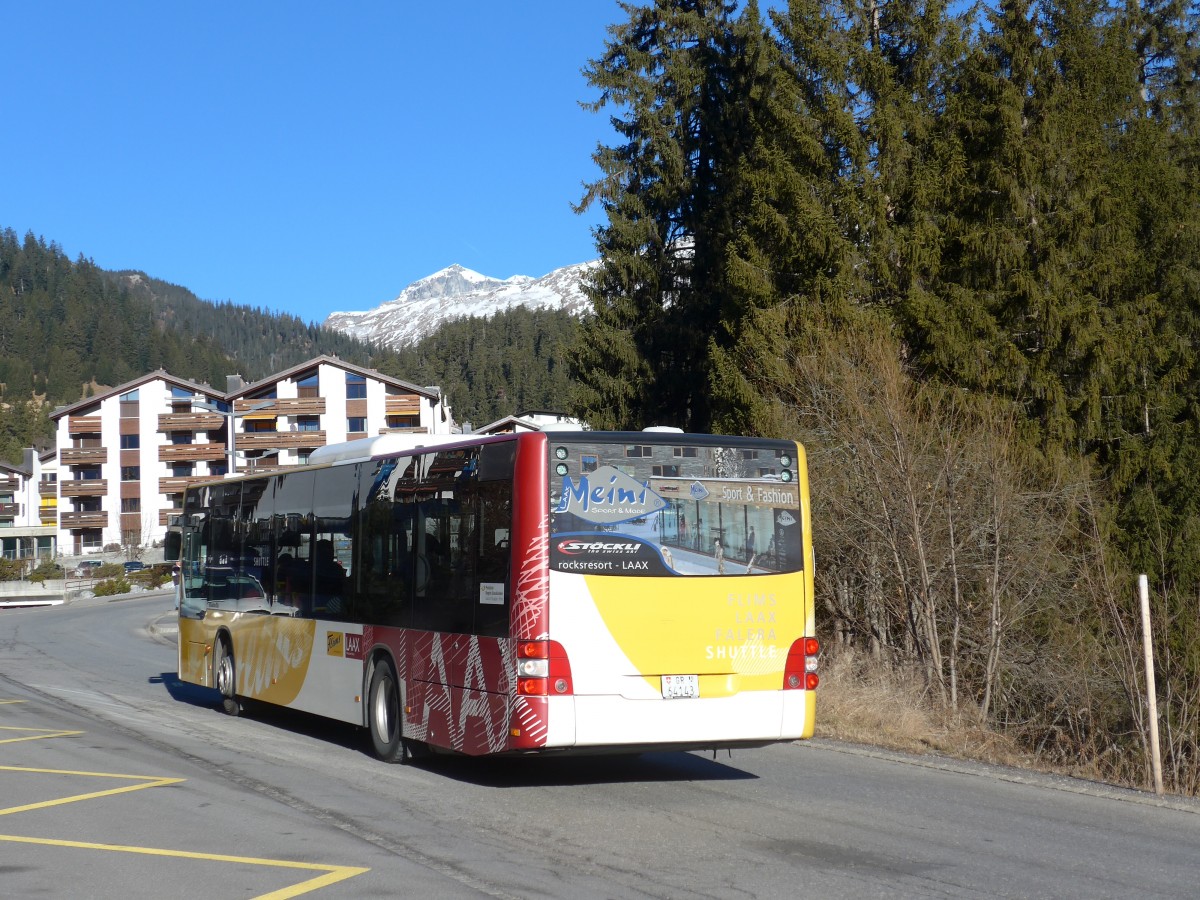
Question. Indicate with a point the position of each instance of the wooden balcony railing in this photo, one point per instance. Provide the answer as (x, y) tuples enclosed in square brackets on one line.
[(280, 440), (409, 405), (84, 519), (191, 452), (74, 456), (47, 488), (9, 509), (177, 485), (197, 421), (84, 487), (83, 425), (287, 406), (9, 483)]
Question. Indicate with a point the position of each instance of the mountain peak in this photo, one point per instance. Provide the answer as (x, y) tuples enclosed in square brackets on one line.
[(457, 292)]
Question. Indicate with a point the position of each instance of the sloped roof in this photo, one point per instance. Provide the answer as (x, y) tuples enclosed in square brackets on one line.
[(157, 374), (339, 363)]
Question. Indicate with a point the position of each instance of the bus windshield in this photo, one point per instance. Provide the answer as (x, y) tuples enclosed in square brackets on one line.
[(670, 505)]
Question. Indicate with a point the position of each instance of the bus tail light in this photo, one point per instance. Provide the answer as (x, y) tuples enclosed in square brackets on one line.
[(543, 670), (800, 671)]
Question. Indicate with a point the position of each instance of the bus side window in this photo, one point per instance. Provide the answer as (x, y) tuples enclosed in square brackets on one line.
[(292, 542), (382, 576), (333, 549), (492, 572)]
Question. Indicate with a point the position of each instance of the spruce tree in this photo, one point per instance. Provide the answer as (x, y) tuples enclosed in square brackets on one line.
[(642, 356)]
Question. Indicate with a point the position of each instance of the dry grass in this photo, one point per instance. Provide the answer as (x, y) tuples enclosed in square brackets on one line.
[(862, 702)]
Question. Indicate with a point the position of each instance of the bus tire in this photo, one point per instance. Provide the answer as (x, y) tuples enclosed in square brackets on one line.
[(225, 677), (383, 713)]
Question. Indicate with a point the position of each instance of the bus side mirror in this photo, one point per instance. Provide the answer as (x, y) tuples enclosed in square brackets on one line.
[(172, 544)]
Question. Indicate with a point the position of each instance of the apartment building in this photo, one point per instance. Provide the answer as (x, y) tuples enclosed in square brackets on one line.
[(126, 455), (28, 498)]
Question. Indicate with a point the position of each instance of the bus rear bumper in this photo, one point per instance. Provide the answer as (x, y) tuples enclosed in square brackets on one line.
[(754, 718)]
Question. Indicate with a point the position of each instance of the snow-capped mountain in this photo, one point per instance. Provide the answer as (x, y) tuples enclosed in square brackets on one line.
[(455, 293)]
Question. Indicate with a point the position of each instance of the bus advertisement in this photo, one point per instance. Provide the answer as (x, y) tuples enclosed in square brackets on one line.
[(570, 592)]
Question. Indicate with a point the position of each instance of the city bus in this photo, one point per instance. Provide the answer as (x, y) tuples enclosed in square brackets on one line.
[(540, 592)]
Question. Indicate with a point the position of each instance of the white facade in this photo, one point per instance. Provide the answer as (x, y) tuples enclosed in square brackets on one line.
[(125, 456), (22, 508)]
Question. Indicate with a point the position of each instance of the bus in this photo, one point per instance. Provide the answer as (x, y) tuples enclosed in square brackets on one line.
[(540, 592)]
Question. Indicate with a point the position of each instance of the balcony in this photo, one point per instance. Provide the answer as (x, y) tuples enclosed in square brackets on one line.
[(84, 487), (48, 515), (75, 456), (9, 484), (280, 440), (165, 515), (177, 484), (84, 519), (197, 421), (47, 488), (287, 406), (83, 425), (191, 452), (403, 406), (9, 509)]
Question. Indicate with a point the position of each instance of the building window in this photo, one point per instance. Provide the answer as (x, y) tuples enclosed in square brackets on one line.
[(131, 504), (181, 437), (130, 441), (182, 470), (302, 456), (129, 405), (684, 452), (308, 423), (588, 463), (356, 423), (638, 450), (356, 386), (308, 386), (131, 473)]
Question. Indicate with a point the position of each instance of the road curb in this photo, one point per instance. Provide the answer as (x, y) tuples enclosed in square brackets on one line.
[(1065, 783)]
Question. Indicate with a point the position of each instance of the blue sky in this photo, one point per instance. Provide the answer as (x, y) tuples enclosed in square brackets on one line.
[(305, 157)]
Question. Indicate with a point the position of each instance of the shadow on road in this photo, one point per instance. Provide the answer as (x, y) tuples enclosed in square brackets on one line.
[(487, 771)]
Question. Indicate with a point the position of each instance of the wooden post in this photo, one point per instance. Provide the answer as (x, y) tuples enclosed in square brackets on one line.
[(1151, 694)]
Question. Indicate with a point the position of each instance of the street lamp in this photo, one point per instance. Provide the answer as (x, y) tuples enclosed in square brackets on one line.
[(230, 415)]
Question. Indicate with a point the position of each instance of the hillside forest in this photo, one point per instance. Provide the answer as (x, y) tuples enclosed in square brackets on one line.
[(106, 328), (956, 251)]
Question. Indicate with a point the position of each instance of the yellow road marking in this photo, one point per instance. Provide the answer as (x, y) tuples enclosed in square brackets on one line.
[(37, 733), (148, 781), (333, 874), (2, 702)]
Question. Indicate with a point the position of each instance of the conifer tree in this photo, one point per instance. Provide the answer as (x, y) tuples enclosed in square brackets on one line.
[(795, 195), (642, 356)]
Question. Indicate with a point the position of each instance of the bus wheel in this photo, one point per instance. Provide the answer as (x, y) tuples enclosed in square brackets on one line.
[(224, 677), (383, 714)]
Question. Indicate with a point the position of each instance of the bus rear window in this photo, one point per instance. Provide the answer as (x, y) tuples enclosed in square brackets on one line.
[(676, 508)]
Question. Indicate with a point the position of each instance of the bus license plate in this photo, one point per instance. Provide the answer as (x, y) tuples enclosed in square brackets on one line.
[(677, 687)]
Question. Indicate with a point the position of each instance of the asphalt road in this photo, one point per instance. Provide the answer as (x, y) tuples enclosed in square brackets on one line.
[(118, 781)]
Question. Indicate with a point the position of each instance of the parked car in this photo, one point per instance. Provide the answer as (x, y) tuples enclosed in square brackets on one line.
[(87, 568), (134, 565)]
